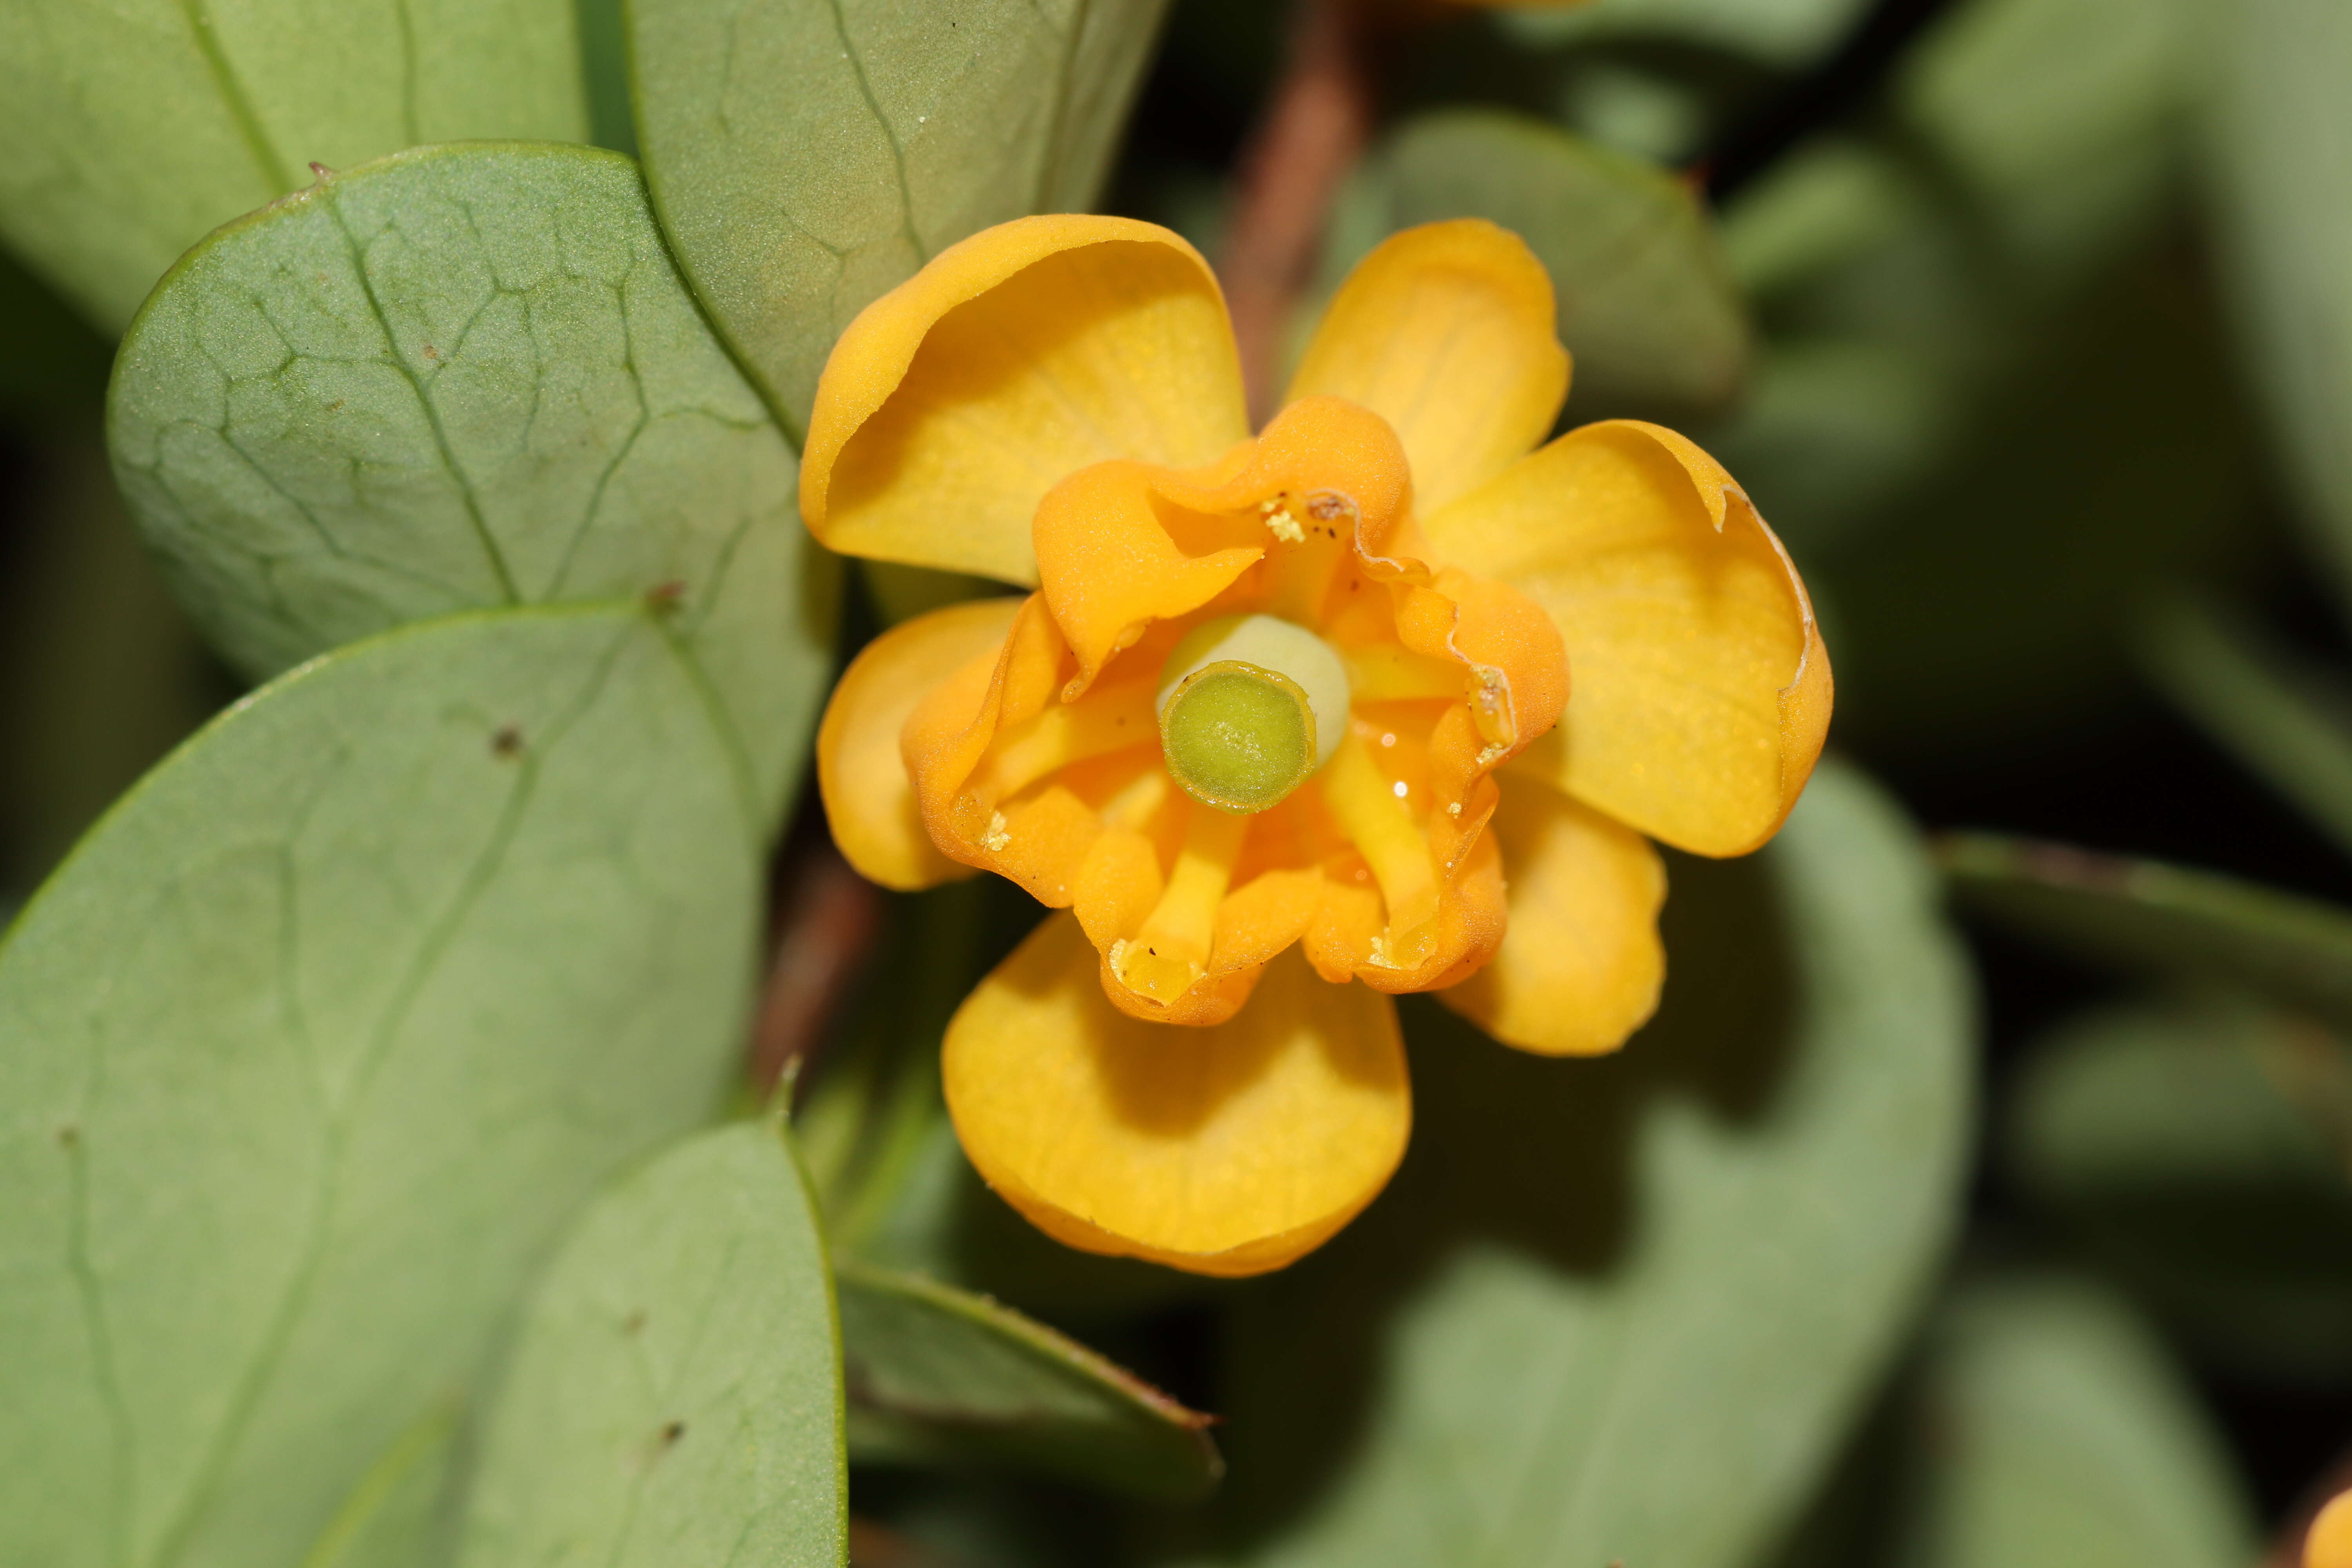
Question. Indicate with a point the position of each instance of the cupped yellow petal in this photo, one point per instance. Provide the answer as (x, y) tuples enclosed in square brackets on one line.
[(861, 774), (1702, 691), (1228, 1150), (1449, 332), (2329, 1543), (1016, 358), (1581, 963)]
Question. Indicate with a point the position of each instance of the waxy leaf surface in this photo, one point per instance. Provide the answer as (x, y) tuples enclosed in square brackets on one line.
[(2286, 720), (465, 377), (1786, 33), (674, 1399), (135, 127), (2203, 1152), (2278, 132), (1647, 307), (809, 155), (2054, 1432), (941, 1376), (310, 1048), (1625, 1310)]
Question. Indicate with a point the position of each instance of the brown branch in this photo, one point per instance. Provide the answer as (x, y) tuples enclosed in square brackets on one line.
[(1317, 125), (827, 920)]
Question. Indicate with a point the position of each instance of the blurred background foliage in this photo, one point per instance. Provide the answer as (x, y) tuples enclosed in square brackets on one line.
[(2028, 325)]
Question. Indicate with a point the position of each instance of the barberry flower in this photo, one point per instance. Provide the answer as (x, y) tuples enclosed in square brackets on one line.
[(1286, 724)]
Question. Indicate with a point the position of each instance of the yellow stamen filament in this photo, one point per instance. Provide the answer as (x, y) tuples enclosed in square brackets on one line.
[(1365, 804), (1108, 719), (1171, 950), (1391, 672), (1317, 532), (1135, 803)]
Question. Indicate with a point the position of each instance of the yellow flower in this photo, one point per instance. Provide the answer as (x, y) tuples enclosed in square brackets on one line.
[(2329, 1543), (1284, 712)]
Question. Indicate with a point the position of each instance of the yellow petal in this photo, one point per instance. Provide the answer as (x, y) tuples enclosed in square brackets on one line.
[(2329, 1543), (1700, 688), (1227, 1149), (1016, 358), (1580, 962), (1448, 332), (869, 801)]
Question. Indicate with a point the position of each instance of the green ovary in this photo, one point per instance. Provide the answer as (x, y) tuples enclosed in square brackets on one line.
[(1237, 736)]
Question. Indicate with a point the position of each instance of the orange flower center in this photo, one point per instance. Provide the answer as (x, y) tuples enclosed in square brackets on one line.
[(1239, 715)]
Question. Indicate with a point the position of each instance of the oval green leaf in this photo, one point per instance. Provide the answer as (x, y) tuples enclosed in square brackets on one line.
[(2204, 1155), (2278, 134), (808, 155), (1647, 306), (2056, 1433), (2281, 717), (675, 1397), (134, 128), (1626, 1309), (313, 1045), (938, 1375), (465, 378)]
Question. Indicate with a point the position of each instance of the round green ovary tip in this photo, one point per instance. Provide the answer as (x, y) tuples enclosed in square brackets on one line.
[(1238, 737)]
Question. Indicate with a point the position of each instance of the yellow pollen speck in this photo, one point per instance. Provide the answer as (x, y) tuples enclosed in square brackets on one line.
[(1401, 791), (998, 839), (1453, 810), (1490, 756), (1378, 957)]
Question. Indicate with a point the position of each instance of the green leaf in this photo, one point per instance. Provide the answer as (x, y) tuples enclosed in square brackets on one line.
[(675, 1400), (1646, 303), (2278, 137), (1993, 409), (2152, 916), (2291, 725), (1625, 1310), (2204, 1154), (1785, 32), (311, 1047), (2064, 119), (459, 377), (808, 155), (2055, 1433), (940, 1375), (135, 127)]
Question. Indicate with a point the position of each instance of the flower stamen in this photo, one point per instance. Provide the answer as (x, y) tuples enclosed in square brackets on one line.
[(1171, 950), (1108, 719), (1365, 806)]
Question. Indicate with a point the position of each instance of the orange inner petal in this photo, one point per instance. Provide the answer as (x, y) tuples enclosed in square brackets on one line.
[(1046, 768)]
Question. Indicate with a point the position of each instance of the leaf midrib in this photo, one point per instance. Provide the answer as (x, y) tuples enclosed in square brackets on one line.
[(266, 159)]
